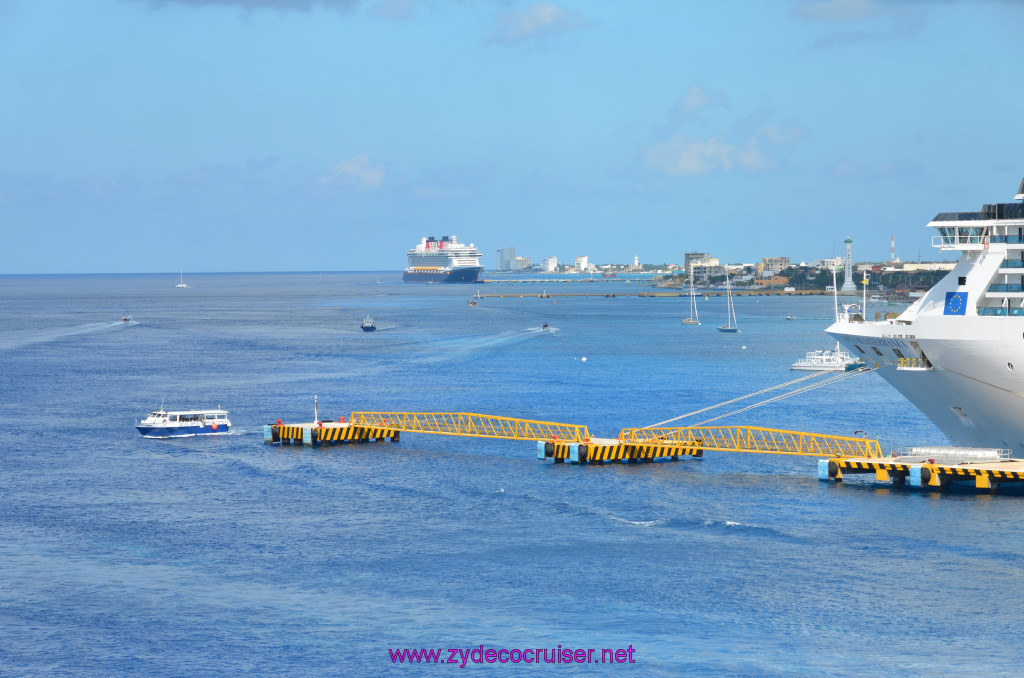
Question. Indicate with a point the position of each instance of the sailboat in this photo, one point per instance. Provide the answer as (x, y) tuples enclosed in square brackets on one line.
[(694, 319), (181, 280), (730, 324)]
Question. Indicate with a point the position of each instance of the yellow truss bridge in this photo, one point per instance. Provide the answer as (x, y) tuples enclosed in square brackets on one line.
[(722, 438), (475, 425), (755, 439)]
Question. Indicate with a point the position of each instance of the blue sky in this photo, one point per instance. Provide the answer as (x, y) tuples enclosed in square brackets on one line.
[(268, 135)]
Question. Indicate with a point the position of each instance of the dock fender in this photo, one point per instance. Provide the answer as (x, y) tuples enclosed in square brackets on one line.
[(833, 469), (549, 449), (823, 469), (926, 475), (583, 457)]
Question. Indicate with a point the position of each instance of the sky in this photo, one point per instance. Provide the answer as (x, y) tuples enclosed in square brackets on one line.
[(331, 135)]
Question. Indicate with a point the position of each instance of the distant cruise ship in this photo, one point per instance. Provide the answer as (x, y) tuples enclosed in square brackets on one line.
[(957, 353), (445, 260)]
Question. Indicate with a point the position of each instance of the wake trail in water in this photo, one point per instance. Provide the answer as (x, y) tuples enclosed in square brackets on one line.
[(19, 338), (469, 345)]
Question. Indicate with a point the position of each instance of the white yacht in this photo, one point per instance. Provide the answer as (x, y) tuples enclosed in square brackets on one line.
[(957, 353), (830, 360)]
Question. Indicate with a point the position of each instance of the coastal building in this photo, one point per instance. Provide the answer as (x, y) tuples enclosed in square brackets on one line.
[(582, 264), (506, 258), (550, 264), (701, 266), (771, 265), (523, 263)]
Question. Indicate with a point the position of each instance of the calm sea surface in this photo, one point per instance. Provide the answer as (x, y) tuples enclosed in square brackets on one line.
[(213, 556)]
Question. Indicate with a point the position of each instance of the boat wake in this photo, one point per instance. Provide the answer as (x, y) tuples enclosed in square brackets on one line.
[(466, 345), (19, 338)]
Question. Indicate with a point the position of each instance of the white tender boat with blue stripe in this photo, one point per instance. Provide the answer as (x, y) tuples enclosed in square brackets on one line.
[(163, 424)]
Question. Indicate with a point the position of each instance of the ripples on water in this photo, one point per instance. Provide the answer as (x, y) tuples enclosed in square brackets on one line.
[(220, 555)]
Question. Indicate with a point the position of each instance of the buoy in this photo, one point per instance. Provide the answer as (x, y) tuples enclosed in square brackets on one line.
[(214, 427)]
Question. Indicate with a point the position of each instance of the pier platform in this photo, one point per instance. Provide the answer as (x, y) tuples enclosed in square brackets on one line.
[(318, 433), (986, 469), (923, 467)]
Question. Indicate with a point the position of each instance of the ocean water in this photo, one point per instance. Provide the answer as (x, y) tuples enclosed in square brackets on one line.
[(213, 556)]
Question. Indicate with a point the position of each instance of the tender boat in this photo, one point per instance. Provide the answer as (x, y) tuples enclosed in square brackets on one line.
[(545, 326), (163, 424), (126, 318), (831, 360), (791, 317), (368, 325)]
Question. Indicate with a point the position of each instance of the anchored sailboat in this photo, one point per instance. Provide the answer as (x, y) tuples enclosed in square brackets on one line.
[(730, 323), (694, 319)]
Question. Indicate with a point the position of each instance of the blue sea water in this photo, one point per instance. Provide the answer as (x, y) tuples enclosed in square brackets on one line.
[(212, 556)]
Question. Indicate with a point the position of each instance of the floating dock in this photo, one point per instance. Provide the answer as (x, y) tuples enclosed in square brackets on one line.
[(930, 467), (319, 433)]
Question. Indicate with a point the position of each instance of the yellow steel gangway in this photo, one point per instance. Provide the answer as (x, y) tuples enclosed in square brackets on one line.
[(474, 425), (656, 442), (755, 439)]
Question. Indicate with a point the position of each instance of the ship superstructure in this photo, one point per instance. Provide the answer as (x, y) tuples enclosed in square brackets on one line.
[(445, 260), (957, 353)]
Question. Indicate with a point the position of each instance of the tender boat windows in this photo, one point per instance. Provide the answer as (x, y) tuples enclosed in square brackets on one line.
[(173, 417)]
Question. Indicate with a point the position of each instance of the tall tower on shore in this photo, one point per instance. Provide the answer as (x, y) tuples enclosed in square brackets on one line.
[(848, 284)]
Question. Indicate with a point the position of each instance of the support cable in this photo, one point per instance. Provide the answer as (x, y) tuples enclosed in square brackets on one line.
[(803, 389), (729, 402)]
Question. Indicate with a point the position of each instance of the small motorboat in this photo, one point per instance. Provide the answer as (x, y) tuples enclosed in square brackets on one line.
[(545, 326), (126, 318), (471, 302), (791, 317), (368, 325)]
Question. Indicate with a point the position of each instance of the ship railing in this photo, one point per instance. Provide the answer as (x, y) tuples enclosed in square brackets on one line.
[(960, 242)]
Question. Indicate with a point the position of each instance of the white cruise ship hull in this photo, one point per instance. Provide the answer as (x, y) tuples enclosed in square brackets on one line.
[(968, 390), (957, 353)]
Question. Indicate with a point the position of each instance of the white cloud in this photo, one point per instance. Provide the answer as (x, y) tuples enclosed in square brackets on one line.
[(749, 144), (680, 156), (358, 173), (539, 21)]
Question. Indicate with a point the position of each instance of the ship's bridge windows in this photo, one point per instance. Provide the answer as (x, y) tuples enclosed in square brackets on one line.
[(897, 352), (858, 348), (875, 349)]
